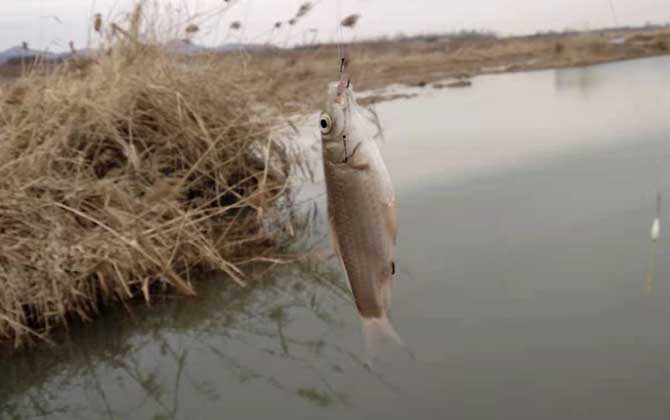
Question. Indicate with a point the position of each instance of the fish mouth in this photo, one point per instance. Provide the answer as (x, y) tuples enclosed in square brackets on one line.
[(338, 91), (342, 87)]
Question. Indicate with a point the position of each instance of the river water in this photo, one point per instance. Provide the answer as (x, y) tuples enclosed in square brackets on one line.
[(524, 283)]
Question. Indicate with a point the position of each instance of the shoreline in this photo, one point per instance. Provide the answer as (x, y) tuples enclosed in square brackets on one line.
[(295, 80), (298, 76)]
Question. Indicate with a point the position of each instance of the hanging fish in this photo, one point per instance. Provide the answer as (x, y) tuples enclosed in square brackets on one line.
[(361, 211)]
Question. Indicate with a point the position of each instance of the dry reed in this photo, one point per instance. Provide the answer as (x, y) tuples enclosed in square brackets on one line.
[(304, 9), (122, 176), (350, 21)]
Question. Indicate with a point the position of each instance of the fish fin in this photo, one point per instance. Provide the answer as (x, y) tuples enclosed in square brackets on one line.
[(358, 160), (391, 219), (360, 163), (376, 331)]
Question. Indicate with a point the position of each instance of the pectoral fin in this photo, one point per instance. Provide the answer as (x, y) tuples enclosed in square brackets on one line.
[(360, 163), (358, 160)]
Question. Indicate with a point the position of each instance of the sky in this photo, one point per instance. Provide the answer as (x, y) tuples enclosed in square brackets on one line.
[(52, 24)]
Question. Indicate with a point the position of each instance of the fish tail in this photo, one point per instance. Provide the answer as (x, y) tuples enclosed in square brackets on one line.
[(376, 331)]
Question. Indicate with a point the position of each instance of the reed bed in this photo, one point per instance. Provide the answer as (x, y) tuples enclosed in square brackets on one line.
[(124, 174)]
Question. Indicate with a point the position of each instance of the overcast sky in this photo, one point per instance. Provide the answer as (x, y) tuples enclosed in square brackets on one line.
[(53, 23)]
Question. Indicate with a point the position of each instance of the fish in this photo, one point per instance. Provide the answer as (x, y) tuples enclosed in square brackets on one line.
[(361, 211)]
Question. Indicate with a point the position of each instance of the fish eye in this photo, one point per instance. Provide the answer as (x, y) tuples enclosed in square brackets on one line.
[(325, 123)]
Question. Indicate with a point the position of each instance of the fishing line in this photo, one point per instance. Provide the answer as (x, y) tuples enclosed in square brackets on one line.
[(656, 222), (247, 12), (339, 35), (342, 72), (613, 11), (655, 230), (341, 45)]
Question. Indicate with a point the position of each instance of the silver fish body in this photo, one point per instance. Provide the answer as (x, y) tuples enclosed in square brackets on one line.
[(361, 209), (361, 214)]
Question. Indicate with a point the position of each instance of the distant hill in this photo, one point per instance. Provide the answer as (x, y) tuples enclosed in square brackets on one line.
[(186, 47), (18, 54)]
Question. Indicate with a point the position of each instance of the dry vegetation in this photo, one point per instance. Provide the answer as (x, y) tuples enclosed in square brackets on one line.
[(420, 62), (122, 176)]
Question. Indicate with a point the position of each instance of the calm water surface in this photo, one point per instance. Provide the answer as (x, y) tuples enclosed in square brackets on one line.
[(525, 205)]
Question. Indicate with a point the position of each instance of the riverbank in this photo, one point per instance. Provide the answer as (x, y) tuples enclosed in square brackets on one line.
[(296, 77), (522, 262), (300, 75), (123, 179), (125, 173)]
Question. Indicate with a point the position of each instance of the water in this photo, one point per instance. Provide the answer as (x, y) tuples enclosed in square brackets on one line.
[(525, 205)]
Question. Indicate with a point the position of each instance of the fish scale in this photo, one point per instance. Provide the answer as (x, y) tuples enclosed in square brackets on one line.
[(356, 210)]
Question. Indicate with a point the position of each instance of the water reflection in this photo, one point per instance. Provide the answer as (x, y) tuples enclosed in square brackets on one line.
[(524, 217), (582, 79), (651, 269), (123, 366)]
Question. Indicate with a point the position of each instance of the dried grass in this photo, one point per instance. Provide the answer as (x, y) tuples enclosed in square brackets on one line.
[(350, 21), (121, 178), (304, 9)]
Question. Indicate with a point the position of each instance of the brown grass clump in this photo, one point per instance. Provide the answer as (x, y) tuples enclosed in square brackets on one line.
[(120, 180)]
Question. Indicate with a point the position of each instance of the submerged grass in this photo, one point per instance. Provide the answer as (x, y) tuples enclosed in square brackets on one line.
[(123, 174)]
